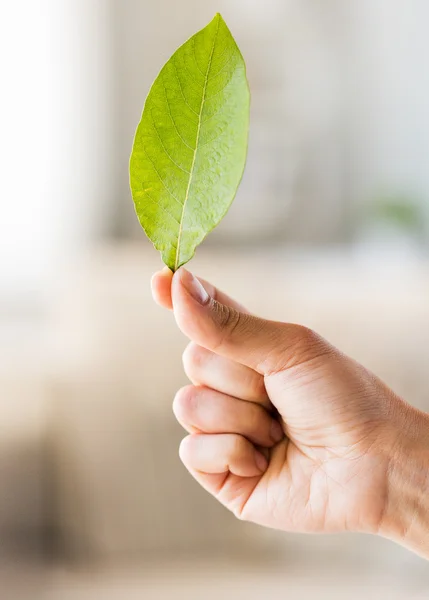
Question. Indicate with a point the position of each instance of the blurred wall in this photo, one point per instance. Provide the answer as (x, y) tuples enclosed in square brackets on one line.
[(387, 97), (56, 118)]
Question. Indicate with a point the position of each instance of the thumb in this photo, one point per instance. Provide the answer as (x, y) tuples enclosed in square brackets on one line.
[(265, 346)]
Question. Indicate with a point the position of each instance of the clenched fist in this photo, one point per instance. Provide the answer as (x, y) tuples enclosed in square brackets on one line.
[(288, 432)]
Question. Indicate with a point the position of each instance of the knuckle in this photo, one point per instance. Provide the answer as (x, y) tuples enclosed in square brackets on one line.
[(229, 321), (238, 447), (228, 318), (255, 418), (301, 345), (306, 335), (309, 345), (255, 384)]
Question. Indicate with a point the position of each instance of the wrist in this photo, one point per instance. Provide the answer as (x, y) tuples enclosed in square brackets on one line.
[(406, 515)]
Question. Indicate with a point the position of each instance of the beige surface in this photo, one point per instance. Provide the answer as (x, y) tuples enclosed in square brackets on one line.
[(214, 581)]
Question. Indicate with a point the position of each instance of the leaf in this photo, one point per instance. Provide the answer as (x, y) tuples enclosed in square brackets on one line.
[(190, 147)]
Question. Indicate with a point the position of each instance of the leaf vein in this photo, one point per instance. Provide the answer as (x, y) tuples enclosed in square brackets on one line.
[(172, 119), (196, 147), (181, 89), (160, 178), (159, 205), (195, 58), (214, 114), (214, 139), (192, 76), (165, 149), (222, 89), (223, 68)]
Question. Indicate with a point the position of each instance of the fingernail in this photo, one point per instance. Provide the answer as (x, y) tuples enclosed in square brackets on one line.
[(261, 461), (193, 287), (276, 431)]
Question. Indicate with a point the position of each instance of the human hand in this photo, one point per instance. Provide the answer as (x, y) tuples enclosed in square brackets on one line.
[(285, 430)]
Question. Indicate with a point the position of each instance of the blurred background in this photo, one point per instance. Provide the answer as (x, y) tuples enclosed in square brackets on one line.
[(330, 228)]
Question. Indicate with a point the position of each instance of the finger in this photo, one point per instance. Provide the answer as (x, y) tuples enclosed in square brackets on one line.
[(222, 454), (264, 346), (203, 410), (204, 367), (161, 291), (161, 287)]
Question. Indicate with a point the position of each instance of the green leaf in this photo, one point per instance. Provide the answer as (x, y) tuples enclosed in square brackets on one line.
[(190, 147)]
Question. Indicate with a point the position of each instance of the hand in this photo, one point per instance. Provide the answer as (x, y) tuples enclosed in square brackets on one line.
[(285, 430)]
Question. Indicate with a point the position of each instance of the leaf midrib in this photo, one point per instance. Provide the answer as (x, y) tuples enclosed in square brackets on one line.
[(191, 173)]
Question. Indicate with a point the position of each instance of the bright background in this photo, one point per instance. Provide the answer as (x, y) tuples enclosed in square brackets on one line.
[(330, 228)]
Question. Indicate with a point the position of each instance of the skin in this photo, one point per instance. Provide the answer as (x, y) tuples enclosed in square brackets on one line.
[(288, 432)]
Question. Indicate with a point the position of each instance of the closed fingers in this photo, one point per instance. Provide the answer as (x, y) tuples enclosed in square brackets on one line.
[(201, 409), (222, 454), (204, 367)]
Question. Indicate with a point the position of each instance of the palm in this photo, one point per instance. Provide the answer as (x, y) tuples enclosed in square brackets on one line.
[(307, 494), (325, 476)]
